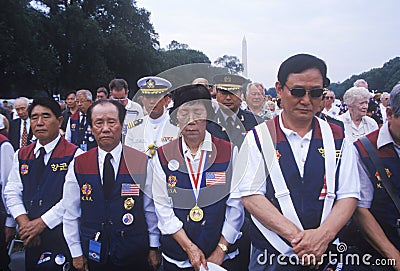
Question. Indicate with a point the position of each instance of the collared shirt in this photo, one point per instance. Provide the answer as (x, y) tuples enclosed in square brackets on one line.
[(249, 174), (71, 201), (366, 186), (352, 132), (14, 188), (332, 112), (170, 224), (6, 163), (68, 133)]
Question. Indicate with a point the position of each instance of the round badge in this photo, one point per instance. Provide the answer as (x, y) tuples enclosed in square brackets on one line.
[(91, 138), (196, 214), (173, 165), (59, 259), (127, 219)]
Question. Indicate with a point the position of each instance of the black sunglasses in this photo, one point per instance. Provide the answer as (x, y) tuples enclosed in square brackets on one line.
[(299, 92)]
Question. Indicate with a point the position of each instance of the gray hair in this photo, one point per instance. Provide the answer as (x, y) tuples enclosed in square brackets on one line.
[(85, 93), (384, 94), (354, 94), (360, 83), (394, 100), (26, 100), (257, 85)]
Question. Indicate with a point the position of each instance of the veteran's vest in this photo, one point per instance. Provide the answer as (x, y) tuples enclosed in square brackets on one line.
[(212, 198), (42, 190), (305, 191), (123, 229), (383, 208), (81, 135)]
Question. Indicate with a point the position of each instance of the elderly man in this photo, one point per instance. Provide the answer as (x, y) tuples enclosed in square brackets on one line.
[(378, 209), (356, 122), (330, 109), (34, 189), (154, 129), (383, 104), (110, 221), (301, 205), (255, 99), (20, 133), (119, 92), (78, 128)]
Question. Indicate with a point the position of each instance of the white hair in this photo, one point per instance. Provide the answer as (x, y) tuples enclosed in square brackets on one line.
[(360, 83), (384, 94), (85, 93), (354, 94)]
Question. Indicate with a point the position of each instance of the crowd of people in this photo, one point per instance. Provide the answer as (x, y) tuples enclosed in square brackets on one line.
[(203, 175)]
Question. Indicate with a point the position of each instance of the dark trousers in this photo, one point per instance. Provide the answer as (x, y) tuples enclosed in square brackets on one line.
[(4, 258), (140, 264), (229, 265)]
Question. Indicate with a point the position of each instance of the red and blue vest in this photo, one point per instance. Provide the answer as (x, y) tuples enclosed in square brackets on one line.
[(123, 243), (304, 191), (78, 136), (383, 208), (212, 199)]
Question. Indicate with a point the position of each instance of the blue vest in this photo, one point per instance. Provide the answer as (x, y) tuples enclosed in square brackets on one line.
[(212, 199), (383, 208), (44, 189), (79, 135), (304, 192), (123, 243)]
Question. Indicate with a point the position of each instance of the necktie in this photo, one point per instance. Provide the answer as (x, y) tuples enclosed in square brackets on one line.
[(24, 137), (39, 165), (81, 131), (229, 124), (108, 176)]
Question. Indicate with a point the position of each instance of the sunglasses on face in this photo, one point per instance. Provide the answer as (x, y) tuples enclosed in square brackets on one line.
[(329, 97), (300, 92)]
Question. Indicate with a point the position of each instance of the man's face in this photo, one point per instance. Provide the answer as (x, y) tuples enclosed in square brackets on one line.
[(22, 109), (300, 109), (229, 99), (83, 103), (154, 104), (329, 98), (192, 120), (394, 125), (385, 100), (45, 125), (120, 95), (106, 127), (255, 97), (101, 96), (70, 101)]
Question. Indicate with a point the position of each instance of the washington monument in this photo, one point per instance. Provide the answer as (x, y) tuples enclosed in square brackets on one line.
[(244, 56)]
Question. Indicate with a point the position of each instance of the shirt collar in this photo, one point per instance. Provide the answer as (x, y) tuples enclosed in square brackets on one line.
[(116, 153), (384, 136), (289, 132), (48, 147), (206, 145), (160, 119)]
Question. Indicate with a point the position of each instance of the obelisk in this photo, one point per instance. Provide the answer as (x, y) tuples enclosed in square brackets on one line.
[(244, 56)]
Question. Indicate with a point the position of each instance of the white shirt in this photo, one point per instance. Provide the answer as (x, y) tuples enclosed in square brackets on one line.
[(14, 188), (68, 133), (6, 163), (383, 112), (168, 223), (71, 201), (352, 132), (249, 174), (366, 186), (333, 112), (133, 112)]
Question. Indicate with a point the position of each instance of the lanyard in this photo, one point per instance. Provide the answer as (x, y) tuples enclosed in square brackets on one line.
[(195, 177)]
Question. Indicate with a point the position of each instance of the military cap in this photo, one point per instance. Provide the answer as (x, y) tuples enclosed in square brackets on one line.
[(229, 82), (152, 85)]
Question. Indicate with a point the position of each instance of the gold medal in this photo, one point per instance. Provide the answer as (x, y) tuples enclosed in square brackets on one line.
[(196, 214), (128, 203)]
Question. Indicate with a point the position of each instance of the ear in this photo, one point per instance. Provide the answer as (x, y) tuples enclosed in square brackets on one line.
[(279, 88), (389, 113)]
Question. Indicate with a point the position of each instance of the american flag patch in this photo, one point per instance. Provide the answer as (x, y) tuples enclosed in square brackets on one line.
[(215, 178), (324, 191), (130, 189)]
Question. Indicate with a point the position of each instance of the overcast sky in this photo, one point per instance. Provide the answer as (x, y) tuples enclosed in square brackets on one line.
[(352, 36)]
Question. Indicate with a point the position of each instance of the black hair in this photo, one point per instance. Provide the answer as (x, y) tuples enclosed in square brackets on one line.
[(49, 103), (121, 110), (299, 63), (191, 93), (118, 84), (103, 90), (69, 93)]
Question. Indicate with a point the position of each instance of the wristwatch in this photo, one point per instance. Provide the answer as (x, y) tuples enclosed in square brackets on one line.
[(223, 247)]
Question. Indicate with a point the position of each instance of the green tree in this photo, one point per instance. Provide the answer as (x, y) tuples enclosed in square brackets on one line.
[(231, 62)]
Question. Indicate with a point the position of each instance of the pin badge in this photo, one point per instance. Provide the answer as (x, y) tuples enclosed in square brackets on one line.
[(59, 259), (127, 219), (129, 203), (173, 165)]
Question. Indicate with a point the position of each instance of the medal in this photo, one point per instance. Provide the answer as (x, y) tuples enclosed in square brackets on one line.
[(196, 214), (129, 203)]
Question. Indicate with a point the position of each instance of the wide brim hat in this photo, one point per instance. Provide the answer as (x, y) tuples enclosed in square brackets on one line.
[(153, 85)]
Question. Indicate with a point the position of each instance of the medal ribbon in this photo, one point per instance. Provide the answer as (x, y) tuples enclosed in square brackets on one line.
[(195, 178)]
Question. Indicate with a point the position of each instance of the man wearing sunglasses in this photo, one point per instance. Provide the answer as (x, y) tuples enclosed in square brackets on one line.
[(330, 108), (288, 179)]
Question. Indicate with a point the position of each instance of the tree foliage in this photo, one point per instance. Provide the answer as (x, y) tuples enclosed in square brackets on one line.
[(231, 62)]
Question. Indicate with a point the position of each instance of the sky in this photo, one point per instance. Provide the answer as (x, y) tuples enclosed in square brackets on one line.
[(351, 36)]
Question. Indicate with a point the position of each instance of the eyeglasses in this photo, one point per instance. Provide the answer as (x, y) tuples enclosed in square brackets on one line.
[(119, 99), (299, 92), (81, 101), (329, 97)]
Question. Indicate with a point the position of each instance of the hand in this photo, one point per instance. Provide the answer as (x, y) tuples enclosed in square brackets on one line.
[(31, 229), (196, 257), (217, 256), (309, 246), (80, 263), (33, 242), (154, 259), (10, 233)]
